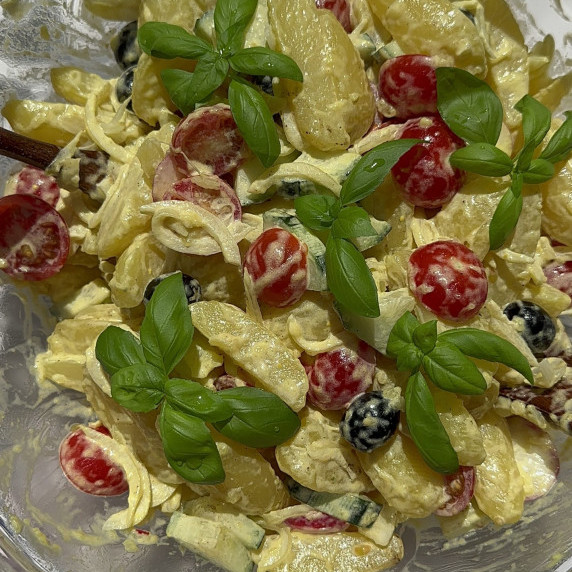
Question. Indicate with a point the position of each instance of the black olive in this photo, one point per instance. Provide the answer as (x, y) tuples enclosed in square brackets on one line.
[(124, 85), (192, 287), (369, 421), (125, 46), (265, 83), (534, 324), (469, 15)]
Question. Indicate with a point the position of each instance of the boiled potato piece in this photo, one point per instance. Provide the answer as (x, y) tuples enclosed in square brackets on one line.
[(74, 84), (557, 206), (125, 10)]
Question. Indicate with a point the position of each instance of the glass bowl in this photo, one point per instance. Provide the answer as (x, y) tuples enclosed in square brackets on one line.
[(46, 524)]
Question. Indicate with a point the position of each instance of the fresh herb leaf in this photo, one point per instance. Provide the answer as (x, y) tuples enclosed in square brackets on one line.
[(372, 168), (317, 212), (349, 278), (426, 428), (400, 345), (539, 171), (482, 159), (535, 125), (425, 336), (231, 18), (178, 85), (189, 447), (254, 121), (560, 144), (468, 105), (259, 418), (484, 345), (352, 222), (506, 214), (138, 387), (192, 398), (167, 41), (263, 61), (116, 348), (449, 369)]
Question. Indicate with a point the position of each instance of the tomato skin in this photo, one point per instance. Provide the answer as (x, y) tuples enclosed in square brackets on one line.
[(409, 84), (460, 487), (423, 174), (340, 9), (560, 276), (316, 522), (448, 279), (34, 181), (277, 264), (34, 238)]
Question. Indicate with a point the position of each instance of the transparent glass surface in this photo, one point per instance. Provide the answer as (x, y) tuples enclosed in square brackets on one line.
[(47, 525)]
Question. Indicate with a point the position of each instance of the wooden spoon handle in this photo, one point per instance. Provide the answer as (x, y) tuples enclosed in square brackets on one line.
[(30, 151)]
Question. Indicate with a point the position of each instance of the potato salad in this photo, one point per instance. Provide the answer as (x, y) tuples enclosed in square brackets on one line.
[(310, 262)]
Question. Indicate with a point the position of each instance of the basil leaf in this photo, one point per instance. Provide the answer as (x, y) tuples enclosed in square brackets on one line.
[(189, 447), (425, 336), (483, 159), (316, 212), (560, 143), (254, 121), (370, 171), (259, 418), (263, 61), (231, 18), (116, 348), (400, 345), (539, 171), (469, 106), (450, 370), (535, 125), (349, 278), (167, 41), (484, 345), (138, 387), (167, 329), (426, 428), (192, 398), (352, 222), (506, 214)]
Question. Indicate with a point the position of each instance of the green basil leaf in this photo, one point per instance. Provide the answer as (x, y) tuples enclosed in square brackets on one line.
[(400, 345), (468, 106), (192, 398), (539, 171), (259, 418), (349, 278), (425, 336), (231, 17), (484, 345), (189, 447), (506, 214), (560, 143), (254, 121), (352, 222), (316, 212), (483, 159), (167, 41), (536, 119), (138, 387), (263, 61), (116, 348), (426, 428), (370, 171), (167, 329), (449, 369)]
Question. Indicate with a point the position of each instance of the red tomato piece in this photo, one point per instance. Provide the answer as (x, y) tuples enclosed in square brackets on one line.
[(210, 136), (448, 279), (336, 377), (34, 181), (316, 522), (560, 276), (277, 264), (459, 487), (34, 238), (88, 468), (424, 174), (167, 174), (409, 84), (341, 10)]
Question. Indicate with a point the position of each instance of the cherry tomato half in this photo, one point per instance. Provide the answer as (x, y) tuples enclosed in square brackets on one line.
[(316, 522), (560, 276), (459, 487), (34, 181), (340, 9)]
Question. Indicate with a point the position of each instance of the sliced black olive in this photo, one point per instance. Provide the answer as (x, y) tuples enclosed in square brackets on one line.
[(533, 323), (469, 15), (265, 83), (124, 85), (125, 46), (192, 287), (369, 421)]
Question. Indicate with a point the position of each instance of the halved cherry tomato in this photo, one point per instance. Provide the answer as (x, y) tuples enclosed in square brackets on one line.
[(448, 279), (34, 181), (88, 468), (316, 522), (34, 238), (560, 276), (341, 10), (167, 174), (277, 264), (459, 487)]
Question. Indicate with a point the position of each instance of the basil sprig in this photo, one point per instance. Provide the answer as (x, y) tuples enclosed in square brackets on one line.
[(474, 112), (442, 358), (140, 382), (219, 63), (349, 278)]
